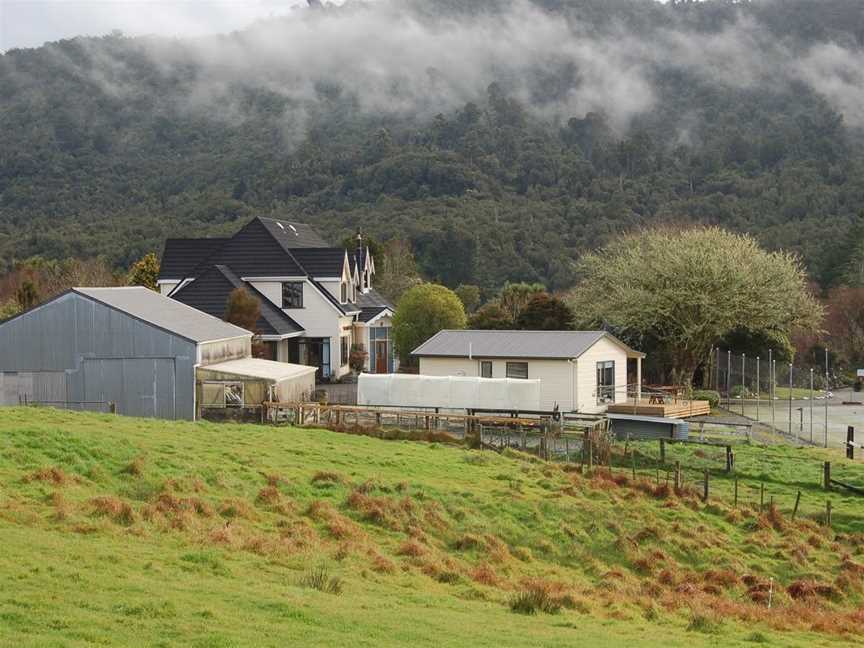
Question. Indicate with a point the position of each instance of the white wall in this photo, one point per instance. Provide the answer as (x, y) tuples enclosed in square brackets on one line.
[(557, 376), (166, 287), (319, 317), (572, 385), (586, 374)]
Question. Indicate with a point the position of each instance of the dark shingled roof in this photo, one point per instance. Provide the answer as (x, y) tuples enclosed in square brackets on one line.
[(209, 293), (321, 262), (512, 344), (182, 255), (371, 303), (293, 235)]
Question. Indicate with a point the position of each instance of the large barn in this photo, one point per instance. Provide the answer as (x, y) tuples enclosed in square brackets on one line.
[(137, 351)]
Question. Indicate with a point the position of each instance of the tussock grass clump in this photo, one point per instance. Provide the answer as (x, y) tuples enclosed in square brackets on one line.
[(268, 496), (803, 589), (380, 563), (326, 477), (485, 574), (236, 508), (135, 468), (320, 579), (412, 549), (384, 511), (113, 508), (704, 623), (51, 475), (62, 509)]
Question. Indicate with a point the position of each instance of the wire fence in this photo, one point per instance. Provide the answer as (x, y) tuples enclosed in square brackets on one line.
[(804, 403)]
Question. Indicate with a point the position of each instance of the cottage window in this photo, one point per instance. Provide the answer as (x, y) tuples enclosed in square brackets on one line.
[(292, 294), (605, 382), (485, 368), (517, 370), (344, 295)]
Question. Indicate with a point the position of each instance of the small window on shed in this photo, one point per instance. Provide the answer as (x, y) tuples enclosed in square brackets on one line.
[(517, 370), (219, 394)]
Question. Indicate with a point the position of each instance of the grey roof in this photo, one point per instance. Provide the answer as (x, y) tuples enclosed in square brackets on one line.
[(165, 313), (512, 344)]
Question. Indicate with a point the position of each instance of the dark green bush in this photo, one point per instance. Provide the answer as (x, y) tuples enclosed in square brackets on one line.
[(709, 395)]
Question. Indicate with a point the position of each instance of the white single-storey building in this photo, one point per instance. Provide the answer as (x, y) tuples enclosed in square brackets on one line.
[(581, 371)]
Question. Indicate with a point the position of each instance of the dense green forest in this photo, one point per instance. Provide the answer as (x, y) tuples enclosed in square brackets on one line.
[(501, 139)]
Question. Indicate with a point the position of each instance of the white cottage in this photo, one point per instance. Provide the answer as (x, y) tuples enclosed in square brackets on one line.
[(581, 371)]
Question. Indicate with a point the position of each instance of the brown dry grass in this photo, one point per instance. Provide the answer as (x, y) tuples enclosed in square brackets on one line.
[(328, 477), (237, 508), (412, 549), (485, 574), (135, 467), (51, 475), (113, 508)]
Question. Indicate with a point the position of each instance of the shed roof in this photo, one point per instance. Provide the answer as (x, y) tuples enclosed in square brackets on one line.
[(514, 344), (165, 313), (258, 368)]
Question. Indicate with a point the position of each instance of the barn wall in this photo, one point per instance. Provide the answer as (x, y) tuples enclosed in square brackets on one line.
[(102, 355)]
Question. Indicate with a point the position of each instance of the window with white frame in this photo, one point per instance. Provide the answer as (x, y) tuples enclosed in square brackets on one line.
[(485, 368), (605, 382), (344, 295), (517, 370)]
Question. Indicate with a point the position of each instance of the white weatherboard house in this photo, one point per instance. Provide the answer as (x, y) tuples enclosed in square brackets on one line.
[(580, 371), (317, 300)]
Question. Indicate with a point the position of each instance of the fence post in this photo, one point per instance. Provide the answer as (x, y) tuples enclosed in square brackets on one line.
[(826, 477), (633, 462), (761, 496), (850, 440), (828, 513), (730, 459), (797, 502), (677, 475), (705, 493), (736, 492), (112, 407), (663, 452)]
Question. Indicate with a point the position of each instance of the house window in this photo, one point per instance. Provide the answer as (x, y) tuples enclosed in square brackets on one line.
[(292, 294), (605, 382), (517, 370), (344, 354), (486, 369), (344, 295)]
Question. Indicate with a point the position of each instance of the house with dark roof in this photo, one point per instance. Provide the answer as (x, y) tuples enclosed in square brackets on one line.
[(580, 371), (317, 300)]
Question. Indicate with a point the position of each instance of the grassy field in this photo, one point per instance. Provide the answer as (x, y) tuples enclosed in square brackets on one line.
[(128, 532)]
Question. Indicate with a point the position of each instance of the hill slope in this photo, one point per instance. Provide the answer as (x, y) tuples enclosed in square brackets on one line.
[(132, 532), (547, 126)]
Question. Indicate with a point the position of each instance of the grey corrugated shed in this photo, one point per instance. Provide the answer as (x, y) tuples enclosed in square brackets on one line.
[(168, 314), (512, 344)]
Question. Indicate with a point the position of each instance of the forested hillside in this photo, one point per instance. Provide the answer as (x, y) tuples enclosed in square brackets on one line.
[(501, 139)]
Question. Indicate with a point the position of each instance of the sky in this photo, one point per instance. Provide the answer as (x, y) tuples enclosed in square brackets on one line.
[(30, 23)]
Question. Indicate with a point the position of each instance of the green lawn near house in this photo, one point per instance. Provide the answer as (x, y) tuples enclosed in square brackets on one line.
[(129, 532)]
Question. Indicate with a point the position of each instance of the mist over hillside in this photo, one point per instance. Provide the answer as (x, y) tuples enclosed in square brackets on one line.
[(502, 138)]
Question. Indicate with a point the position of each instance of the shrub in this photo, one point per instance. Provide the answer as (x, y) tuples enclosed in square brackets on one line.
[(713, 397), (319, 579), (534, 600)]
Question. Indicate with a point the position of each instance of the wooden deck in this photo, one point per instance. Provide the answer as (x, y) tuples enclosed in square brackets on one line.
[(673, 408)]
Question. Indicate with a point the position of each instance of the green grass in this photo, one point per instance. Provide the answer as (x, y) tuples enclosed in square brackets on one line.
[(128, 532)]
